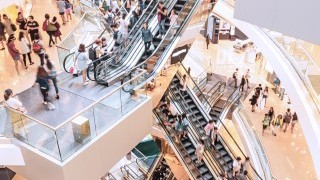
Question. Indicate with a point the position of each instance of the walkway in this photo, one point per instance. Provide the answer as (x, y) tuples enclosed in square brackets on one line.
[(288, 153), (9, 77)]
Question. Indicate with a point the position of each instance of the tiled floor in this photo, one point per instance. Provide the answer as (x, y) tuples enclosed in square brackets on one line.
[(287, 153)]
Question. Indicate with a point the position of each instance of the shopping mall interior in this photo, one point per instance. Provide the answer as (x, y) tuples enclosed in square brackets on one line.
[(159, 90)]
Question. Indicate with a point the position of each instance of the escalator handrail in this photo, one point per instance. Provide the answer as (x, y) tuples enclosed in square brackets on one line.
[(109, 174), (198, 129), (216, 93), (174, 36), (173, 143), (131, 31), (151, 166), (134, 173)]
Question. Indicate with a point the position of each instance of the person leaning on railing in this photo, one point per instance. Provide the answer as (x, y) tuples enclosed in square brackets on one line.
[(13, 102)]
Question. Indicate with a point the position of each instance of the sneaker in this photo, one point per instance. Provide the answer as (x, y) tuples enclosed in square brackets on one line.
[(85, 83), (44, 102), (57, 96)]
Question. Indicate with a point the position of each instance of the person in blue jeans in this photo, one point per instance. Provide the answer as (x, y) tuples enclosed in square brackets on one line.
[(52, 74), (162, 15)]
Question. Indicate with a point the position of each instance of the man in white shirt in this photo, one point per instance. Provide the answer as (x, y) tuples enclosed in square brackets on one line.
[(114, 6), (236, 165)]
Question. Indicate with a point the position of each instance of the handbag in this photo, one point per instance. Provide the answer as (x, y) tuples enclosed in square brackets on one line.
[(51, 27), (71, 69), (13, 27), (151, 48)]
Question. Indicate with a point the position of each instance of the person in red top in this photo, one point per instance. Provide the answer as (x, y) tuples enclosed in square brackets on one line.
[(14, 52)]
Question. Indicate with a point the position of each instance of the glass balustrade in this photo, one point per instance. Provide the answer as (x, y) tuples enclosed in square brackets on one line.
[(62, 141)]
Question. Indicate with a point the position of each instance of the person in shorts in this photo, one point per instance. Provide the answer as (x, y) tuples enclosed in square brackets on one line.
[(2, 34), (61, 6), (14, 52)]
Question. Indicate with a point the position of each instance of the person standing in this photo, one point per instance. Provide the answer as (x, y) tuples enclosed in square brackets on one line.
[(25, 49), (15, 54), (57, 34), (33, 27), (173, 18), (200, 151), (236, 166), (277, 124), (242, 83), (2, 34), (185, 124), (287, 119), (183, 83), (247, 76), (146, 36), (294, 121), (114, 6), (47, 27), (235, 77), (265, 94), (253, 101), (162, 15), (265, 123), (128, 6), (208, 40), (209, 128), (38, 48), (13, 102), (42, 80), (61, 6), (179, 128), (271, 115), (81, 62), (22, 22), (8, 24), (214, 136), (258, 90), (52, 74), (107, 5), (123, 28)]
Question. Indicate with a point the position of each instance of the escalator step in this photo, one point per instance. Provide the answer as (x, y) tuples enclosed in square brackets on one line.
[(218, 146), (203, 170), (227, 159), (194, 157), (191, 150), (222, 152), (187, 144), (207, 176)]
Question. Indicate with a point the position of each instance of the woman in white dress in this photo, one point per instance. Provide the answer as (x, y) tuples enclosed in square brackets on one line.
[(81, 62), (200, 150)]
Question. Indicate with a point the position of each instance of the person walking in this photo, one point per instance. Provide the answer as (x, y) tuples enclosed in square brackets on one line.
[(49, 28), (179, 128), (38, 48), (277, 124), (25, 49), (2, 34), (265, 123), (57, 34), (8, 24), (253, 102), (15, 54), (61, 6), (42, 80), (13, 101), (208, 40), (68, 10), (214, 136), (271, 115), (265, 95), (22, 22), (81, 61), (242, 83), (123, 27), (146, 36), (33, 27), (294, 121), (162, 15), (287, 119), (183, 84), (52, 74), (200, 151)]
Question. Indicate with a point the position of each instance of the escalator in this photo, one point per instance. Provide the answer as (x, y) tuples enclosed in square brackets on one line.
[(162, 171), (223, 153), (68, 59), (117, 68), (185, 149)]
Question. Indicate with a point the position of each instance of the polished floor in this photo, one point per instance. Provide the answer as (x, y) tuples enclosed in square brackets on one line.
[(286, 152)]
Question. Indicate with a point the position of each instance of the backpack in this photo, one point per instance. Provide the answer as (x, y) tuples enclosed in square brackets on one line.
[(92, 53), (287, 117), (36, 47), (110, 19)]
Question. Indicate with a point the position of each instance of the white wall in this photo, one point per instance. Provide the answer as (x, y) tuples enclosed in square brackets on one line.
[(309, 117), (298, 19), (97, 157)]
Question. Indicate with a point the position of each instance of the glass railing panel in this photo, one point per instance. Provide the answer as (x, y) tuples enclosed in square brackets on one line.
[(202, 13), (33, 133), (65, 139)]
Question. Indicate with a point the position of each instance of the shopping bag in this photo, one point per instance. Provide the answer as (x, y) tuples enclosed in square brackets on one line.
[(151, 48), (71, 70)]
